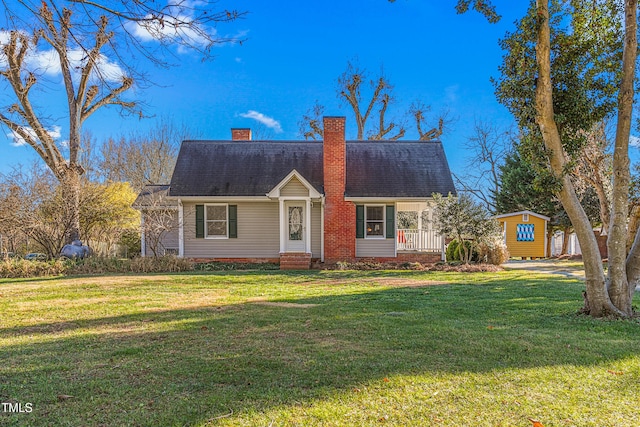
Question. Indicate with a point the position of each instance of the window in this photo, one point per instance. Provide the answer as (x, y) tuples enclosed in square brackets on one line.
[(525, 233), (216, 224), (374, 222), (525, 217)]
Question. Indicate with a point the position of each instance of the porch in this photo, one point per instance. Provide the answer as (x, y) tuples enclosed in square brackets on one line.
[(419, 240), (415, 229)]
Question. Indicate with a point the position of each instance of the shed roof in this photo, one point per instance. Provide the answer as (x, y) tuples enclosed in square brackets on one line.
[(546, 218), (374, 169)]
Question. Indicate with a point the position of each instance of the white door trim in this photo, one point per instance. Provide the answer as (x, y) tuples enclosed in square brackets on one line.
[(284, 222)]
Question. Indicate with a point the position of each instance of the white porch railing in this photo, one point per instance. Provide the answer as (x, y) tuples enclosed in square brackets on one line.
[(419, 240)]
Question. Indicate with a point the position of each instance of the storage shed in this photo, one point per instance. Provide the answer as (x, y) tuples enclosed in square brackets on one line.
[(525, 233)]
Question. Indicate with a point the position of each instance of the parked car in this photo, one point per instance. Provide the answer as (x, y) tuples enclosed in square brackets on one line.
[(35, 256)]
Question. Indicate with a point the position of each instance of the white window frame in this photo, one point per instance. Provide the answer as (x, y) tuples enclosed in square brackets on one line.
[(525, 217), (384, 222), (206, 229)]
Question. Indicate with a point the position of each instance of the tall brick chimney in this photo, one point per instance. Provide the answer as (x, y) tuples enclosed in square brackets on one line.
[(241, 134), (339, 215)]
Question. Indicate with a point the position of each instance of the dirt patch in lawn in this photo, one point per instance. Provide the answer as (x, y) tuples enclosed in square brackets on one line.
[(263, 301), (399, 282), (406, 283)]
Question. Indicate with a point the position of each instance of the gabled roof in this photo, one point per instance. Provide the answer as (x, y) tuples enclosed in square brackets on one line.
[(546, 218), (374, 169), (275, 192), (239, 168)]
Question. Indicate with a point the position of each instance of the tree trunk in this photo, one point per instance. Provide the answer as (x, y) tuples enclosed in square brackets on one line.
[(633, 266), (565, 241), (634, 226), (599, 302), (605, 214), (618, 285), (70, 182)]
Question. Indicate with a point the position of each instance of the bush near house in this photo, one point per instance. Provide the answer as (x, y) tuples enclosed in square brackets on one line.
[(454, 249)]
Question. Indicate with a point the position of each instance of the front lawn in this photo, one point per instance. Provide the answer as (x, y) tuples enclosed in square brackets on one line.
[(331, 348)]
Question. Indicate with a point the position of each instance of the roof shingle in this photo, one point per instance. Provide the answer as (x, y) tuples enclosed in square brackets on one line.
[(374, 169)]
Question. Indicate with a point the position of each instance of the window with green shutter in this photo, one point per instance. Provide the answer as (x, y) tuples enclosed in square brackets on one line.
[(390, 219), (199, 221), (233, 221), (359, 221), (216, 221)]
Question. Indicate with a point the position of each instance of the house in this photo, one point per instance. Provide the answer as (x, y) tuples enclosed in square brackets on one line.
[(572, 246), (525, 233), (296, 201)]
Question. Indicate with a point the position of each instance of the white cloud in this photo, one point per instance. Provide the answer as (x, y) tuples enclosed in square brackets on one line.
[(47, 62), (178, 27), (55, 132), (265, 120), (634, 141)]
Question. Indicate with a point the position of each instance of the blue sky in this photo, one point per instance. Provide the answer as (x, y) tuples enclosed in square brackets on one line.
[(293, 54)]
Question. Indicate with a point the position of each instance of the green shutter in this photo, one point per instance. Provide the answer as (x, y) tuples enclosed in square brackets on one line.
[(199, 221), (391, 230), (360, 221), (233, 221)]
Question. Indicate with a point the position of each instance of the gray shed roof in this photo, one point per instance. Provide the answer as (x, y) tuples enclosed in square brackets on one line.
[(154, 196), (374, 169)]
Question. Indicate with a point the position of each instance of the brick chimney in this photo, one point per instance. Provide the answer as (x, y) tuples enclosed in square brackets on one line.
[(241, 134), (339, 215)]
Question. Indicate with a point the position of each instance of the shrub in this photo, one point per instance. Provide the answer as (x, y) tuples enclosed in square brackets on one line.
[(453, 251), (227, 266), (104, 265), (495, 253), (12, 268)]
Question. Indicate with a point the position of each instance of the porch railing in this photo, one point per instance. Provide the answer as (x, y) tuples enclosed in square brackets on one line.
[(419, 240)]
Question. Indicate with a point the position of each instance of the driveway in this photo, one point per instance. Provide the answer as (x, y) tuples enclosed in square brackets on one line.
[(552, 266), (572, 269)]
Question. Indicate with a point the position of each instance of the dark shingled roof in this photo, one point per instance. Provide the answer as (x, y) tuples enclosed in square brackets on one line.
[(397, 169), (153, 195), (374, 169), (238, 168)]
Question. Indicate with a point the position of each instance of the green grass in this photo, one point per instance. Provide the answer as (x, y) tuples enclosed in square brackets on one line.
[(337, 348)]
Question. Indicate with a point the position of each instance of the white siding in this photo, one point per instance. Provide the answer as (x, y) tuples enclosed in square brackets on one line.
[(375, 247), (258, 234)]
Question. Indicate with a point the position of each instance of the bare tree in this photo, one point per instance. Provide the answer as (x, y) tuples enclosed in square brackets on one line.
[(310, 126), (368, 97), (30, 204), (159, 217), (143, 158), (594, 168), (350, 89), (487, 147), (88, 38), (418, 111)]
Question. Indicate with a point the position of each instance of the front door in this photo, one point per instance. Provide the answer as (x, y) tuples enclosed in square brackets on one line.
[(295, 228)]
